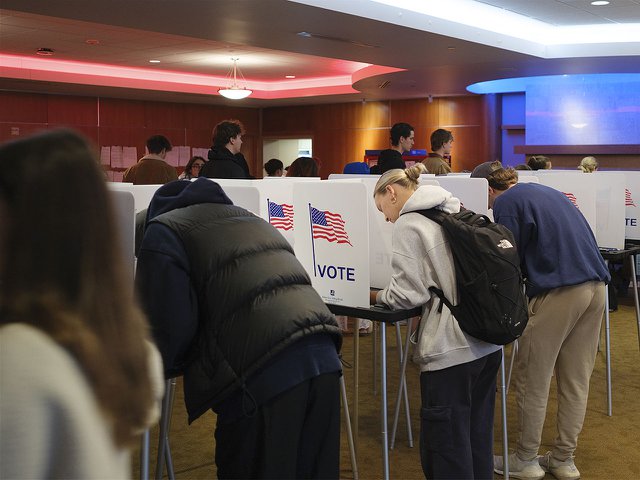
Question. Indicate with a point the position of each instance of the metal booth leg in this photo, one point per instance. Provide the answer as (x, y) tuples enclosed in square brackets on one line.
[(383, 395), (402, 389), (144, 456), (164, 451), (345, 406), (607, 346), (634, 281), (514, 352), (503, 395)]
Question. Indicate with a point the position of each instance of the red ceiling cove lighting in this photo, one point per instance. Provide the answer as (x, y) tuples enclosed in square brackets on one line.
[(51, 69)]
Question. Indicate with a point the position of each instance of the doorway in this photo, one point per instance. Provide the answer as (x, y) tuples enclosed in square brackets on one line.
[(286, 149)]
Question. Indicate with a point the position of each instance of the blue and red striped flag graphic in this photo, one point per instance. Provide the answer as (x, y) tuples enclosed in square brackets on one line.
[(281, 215), (628, 201), (328, 225)]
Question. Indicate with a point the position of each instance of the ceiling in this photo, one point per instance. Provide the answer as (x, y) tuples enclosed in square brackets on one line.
[(350, 49)]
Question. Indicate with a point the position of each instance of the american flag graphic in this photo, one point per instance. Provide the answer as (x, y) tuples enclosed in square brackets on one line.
[(572, 198), (281, 216), (329, 226), (628, 201)]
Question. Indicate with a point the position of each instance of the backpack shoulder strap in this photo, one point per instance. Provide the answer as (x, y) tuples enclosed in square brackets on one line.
[(439, 217), (436, 215)]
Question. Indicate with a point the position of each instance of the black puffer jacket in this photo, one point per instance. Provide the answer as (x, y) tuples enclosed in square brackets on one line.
[(252, 296)]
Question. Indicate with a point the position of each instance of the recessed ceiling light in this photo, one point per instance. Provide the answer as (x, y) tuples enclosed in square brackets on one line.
[(154, 61), (92, 41), (289, 76), (599, 3), (451, 49)]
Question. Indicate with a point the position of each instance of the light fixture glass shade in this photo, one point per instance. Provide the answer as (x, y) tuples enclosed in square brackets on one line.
[(236, 93)]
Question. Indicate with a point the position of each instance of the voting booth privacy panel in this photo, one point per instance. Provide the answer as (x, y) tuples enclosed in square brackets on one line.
[(472, 192), (599, 196), (332, 239), (142, 194), (380, 232), (125, 219), (271, 200), (632, 206), (524, 178), (343, 268)]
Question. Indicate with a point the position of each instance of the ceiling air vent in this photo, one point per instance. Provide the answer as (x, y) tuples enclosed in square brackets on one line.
[(45, 52), (336, 39), (384, 84)]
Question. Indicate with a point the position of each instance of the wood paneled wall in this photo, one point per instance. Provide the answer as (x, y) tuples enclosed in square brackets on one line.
[(110, 121), (342, 132)]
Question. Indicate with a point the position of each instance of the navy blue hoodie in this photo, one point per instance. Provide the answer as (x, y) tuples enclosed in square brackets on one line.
[(556, 245)]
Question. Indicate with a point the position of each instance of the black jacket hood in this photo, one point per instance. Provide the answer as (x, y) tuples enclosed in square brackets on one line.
[(183, 193)]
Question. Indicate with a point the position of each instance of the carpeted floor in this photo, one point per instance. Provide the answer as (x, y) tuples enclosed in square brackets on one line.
[(609, 446)]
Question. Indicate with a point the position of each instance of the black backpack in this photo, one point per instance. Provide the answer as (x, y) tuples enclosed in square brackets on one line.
[(493, 305)]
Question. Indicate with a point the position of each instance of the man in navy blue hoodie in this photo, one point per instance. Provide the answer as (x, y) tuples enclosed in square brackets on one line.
[(233, 310), (565, 277)]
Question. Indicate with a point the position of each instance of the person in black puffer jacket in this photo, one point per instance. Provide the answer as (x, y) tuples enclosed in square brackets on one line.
[(225, 159), (233, 310)]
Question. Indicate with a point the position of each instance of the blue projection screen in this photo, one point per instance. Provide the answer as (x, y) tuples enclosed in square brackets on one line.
[(559, 113)]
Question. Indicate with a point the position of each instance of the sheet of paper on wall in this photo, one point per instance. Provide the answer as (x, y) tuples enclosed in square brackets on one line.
[(184, 154), (117, 176), (173, 157), (129, 156), (105, 156), (200, 152), (116, 157)]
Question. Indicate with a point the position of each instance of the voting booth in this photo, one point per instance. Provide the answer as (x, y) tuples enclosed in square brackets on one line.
[(142, 194), (332, 239), (472, 192), (277, 201), (632, 206), (125, 220), (380, 232), (600, 198), (270, 199), (524, 178)]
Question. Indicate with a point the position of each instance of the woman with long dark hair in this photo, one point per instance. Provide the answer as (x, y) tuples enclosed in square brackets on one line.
[(192, 168), (304, 167), (76, 368)]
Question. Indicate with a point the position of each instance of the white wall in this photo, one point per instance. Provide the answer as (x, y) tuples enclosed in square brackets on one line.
[(285, 150)]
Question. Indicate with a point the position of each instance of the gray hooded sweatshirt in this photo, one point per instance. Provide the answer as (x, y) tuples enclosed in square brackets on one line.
[(421, 259)]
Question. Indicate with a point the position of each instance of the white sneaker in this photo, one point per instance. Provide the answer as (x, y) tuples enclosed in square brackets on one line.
[(523, 469), (561, 470)]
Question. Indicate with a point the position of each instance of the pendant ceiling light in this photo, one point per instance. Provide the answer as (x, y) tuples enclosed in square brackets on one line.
[(234, 91)]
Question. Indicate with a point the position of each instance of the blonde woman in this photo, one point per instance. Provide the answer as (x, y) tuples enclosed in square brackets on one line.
[(588, 165), (458, 372)]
